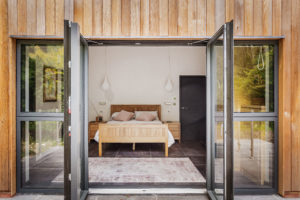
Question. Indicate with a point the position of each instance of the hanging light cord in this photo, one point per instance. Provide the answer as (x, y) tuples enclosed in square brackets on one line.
[(169, 63), (105, 61)]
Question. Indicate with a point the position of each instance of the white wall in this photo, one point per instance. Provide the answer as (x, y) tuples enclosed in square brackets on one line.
[(138, 75)]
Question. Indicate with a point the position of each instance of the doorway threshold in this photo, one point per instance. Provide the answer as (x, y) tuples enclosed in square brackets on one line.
[(148, 191)]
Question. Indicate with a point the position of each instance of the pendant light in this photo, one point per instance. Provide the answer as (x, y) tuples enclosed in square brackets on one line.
[(169, 84), (105, 85)]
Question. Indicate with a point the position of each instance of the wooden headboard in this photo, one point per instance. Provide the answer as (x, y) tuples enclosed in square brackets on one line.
[(132, 108)]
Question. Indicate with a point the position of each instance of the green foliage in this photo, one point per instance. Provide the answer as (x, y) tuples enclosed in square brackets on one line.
[(252, 64)]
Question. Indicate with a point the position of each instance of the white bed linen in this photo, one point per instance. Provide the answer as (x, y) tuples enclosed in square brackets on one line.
[(171, 140)]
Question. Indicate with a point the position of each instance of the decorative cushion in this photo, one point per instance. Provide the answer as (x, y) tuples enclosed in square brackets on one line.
[(145, 116), (123, 116), (154, 113)]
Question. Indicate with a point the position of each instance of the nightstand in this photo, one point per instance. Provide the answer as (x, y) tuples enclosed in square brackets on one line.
[(174, 127), (93, 127)]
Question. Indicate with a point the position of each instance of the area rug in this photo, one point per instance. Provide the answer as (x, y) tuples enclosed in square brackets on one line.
[(143, 170)]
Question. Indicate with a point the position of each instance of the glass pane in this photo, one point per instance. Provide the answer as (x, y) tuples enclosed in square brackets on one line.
[(218, 105), (42, 154), (253, 154), (219, 80), (219, 154), (42, 70), (254, 78)]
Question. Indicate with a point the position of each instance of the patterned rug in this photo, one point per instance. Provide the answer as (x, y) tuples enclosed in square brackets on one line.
[(143, 170)]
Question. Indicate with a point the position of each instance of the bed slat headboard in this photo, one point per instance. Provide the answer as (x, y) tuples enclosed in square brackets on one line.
[(132, 108)]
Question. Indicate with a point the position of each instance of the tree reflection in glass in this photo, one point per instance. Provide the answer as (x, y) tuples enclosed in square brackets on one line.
[(254, 78)]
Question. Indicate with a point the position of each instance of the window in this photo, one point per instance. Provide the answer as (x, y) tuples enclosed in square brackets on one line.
[(41, 76), (255, 115), (254, 78), (40, 89)]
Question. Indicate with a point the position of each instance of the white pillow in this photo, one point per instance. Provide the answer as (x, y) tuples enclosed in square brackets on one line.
[(137, 113), (114, 115)]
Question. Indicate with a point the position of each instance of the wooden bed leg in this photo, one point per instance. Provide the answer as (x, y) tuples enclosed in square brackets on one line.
[(100, 149), (166, 149), (133, 146)]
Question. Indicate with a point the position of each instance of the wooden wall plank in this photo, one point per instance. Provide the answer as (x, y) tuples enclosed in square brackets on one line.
[(229, 10), (59, 18), (87, 28), (22, 17), (267, 17), (210, 18), (106, 17), (257, 18), (249, 24), (13, 17), (126, 17), (295, 149), (284, 136), (135, 28), (239, 17), (69, 9), (220, 13), (154, 17), (163, 17), (50, 17), (182, 17), (201, 17), (12, 114), (116, 18), (31, 17), (78, 12), (192, 9), (173, 17), (97, 17), (276, 18), (41, 17), (4, 105), (144, 17)]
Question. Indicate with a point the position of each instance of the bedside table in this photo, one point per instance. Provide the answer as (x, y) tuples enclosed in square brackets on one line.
[(93, 127), (174, 127)]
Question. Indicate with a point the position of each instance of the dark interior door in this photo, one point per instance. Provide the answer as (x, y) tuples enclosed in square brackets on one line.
[(193, 107)]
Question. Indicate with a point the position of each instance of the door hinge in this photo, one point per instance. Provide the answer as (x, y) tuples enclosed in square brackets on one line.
[(70, 24), (69, 177), (69, 128), (69, 64)]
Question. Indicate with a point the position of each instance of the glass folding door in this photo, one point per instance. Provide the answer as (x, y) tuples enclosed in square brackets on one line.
[(75, 113), (220, 113)]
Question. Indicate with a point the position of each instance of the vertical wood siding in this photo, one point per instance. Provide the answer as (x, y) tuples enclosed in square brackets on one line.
[(4, 102), (161, 18), (295, 82)]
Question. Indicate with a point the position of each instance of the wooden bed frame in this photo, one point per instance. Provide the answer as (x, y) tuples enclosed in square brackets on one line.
[(134, 133)]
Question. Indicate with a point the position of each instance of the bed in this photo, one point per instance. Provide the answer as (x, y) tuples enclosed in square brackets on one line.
[(134, 131)]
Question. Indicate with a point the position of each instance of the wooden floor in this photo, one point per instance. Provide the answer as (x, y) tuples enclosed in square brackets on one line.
[(195, 150)]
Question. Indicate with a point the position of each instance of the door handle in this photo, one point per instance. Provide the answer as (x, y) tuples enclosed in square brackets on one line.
[(184, 108)]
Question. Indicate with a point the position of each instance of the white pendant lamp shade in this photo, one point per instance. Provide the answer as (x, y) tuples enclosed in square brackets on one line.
[(105, 85), (169, 85)]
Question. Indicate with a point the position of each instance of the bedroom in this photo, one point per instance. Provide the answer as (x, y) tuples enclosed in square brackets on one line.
[(148, 78)]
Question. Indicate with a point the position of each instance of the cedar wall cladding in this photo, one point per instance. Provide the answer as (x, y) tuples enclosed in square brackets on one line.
[(154, 18)]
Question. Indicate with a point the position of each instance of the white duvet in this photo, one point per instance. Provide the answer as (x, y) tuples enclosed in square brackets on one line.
[(171, 140)]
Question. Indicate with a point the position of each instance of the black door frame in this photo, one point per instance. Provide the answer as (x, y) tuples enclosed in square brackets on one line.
[(225, 33), (76, 113)]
